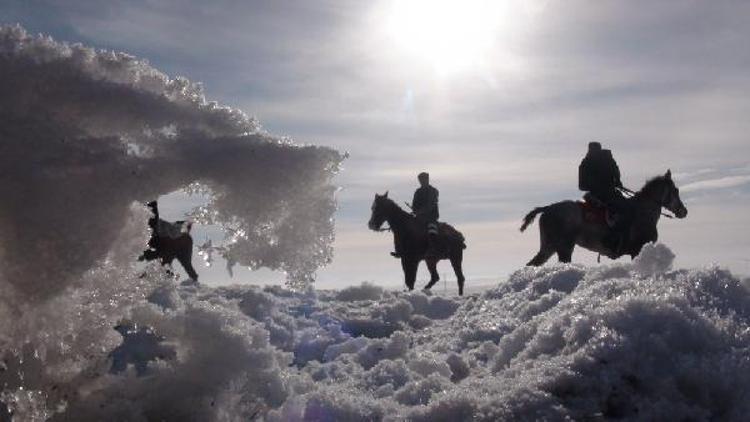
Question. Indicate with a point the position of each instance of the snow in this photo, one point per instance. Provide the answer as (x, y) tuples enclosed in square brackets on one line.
[(87, 133), (556, 342), (86, 334)]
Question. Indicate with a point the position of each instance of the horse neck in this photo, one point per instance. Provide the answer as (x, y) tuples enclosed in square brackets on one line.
[(397, 218), (648, 203)]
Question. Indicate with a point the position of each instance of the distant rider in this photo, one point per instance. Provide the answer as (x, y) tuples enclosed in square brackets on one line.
[(153, 224), (599, 175), (425, 208)]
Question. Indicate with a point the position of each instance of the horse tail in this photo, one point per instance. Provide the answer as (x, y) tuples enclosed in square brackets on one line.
[(531, 216)]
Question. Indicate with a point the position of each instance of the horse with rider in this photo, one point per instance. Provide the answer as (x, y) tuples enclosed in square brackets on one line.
[(418, 236), (169, 241), (606, 221)]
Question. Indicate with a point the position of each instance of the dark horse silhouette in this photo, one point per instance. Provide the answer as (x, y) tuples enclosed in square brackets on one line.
[(410, 237), (563, 225), (169, 241)]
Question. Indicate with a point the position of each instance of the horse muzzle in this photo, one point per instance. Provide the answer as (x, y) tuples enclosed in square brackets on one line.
[(681, 213)]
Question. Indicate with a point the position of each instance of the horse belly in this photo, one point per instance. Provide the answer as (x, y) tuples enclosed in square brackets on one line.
[(591, 237)]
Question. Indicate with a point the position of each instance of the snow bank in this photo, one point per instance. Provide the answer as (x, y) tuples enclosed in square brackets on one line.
[(634, 341), (86, 138), (87, 133)]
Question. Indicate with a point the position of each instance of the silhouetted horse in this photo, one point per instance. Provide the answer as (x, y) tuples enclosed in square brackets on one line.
[(564, 224), (410, 237), (169, 241)]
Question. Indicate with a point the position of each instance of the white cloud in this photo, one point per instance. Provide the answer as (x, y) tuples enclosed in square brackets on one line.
[(718, 183)]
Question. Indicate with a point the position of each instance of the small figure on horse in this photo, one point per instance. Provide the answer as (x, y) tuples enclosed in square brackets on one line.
[(169, 241), (413, 242), (424, 206), (565, 224), (599, 177)]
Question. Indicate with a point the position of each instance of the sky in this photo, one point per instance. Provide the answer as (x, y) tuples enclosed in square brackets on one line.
[(497, 100)]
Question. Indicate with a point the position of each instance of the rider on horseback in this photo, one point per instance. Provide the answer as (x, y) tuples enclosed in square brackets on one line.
[(599, 175), (425, 208)]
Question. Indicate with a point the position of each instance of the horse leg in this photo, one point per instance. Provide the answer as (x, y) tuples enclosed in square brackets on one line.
[(545, 248), (456, 261), (410, 271), (185, 256), (565, 251), (434, 276)]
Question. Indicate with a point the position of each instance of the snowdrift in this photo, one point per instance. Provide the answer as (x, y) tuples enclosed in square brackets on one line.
[(636, 341), (86, 134)]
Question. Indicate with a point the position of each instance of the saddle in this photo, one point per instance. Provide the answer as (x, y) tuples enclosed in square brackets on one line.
[(595, 211)]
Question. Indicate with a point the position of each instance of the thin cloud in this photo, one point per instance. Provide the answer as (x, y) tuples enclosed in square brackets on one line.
[(718, 183)]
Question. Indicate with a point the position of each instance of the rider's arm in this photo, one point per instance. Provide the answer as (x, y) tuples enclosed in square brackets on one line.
[(416, 204), (433, 205), (616, 171), (583, 184)]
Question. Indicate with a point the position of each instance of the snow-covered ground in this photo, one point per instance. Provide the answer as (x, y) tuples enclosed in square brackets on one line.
[(635, 340)]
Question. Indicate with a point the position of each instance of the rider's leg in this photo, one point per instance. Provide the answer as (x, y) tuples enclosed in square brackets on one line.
[(432, 239), (617, 206), (396, 246)]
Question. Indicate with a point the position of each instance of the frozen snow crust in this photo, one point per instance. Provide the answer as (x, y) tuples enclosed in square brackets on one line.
[(85, 133), (636, 341)]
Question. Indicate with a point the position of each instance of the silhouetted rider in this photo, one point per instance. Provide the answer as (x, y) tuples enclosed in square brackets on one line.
[(153, 223), (599, 175), (425, 208)]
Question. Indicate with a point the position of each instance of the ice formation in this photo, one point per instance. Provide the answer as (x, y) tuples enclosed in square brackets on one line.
[(87, 133)]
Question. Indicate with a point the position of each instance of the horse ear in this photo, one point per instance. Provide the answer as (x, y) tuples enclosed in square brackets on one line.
[(385, 195), (669, 174)]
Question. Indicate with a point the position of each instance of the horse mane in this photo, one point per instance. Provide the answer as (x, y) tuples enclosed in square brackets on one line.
[(393, 205), (651, 185)]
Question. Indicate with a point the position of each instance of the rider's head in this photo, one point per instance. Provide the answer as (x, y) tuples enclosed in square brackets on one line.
[(424, 178), (595, 147)]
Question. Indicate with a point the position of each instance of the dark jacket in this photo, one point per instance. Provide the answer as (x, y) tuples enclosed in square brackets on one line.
[(599, 174), (425, 203)]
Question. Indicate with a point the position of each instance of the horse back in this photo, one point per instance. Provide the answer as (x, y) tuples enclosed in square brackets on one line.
[(450, 232)]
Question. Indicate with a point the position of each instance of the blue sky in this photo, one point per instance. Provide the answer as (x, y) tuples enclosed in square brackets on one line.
[(665, 85)]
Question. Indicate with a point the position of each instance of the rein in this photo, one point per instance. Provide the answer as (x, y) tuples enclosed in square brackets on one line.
[(631, 194)]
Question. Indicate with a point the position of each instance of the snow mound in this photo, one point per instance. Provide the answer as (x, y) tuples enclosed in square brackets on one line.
[(556, 342), (87, 133)]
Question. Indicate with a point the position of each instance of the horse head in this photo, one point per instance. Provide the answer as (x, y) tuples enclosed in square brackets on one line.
[(669, 196), (379, 211)]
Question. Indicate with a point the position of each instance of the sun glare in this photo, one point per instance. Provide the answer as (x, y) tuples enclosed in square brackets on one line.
[(451, 35)]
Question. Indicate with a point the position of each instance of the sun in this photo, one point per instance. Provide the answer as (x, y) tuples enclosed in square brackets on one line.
[(451, 35)]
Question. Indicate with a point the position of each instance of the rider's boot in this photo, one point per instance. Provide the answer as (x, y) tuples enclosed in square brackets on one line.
[(395, 254)]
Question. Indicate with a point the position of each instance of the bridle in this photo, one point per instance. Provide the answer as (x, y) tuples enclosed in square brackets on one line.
[(629, 194)]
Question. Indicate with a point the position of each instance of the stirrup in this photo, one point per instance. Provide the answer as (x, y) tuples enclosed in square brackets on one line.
[(395, 254)]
